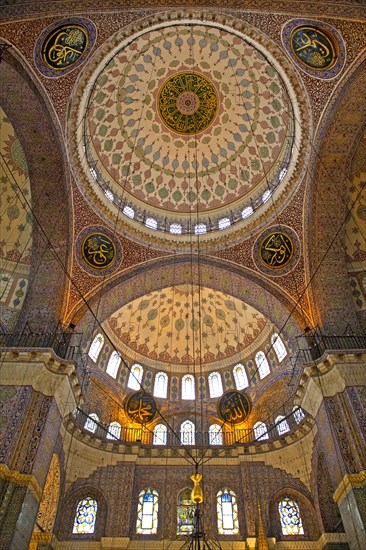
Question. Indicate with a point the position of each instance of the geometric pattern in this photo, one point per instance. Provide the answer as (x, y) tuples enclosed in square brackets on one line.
[(355, 226)]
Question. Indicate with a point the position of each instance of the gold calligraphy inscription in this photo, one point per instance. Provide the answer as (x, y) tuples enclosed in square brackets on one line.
[(234, 407), (141, 407), (188, 103), (313, 48), (98, 250), (64, 46), (276, 250)]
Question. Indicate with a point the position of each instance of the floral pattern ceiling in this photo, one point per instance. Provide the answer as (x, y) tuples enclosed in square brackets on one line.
[(164, 327)]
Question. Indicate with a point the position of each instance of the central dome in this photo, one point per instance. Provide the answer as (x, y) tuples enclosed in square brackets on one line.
[(185, 125)]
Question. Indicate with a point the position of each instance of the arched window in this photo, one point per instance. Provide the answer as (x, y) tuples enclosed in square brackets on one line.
[(291, 522), (260, 431), (240, 377), (227, 513), (161, 384), (160, 434), (96, 347), (262, 364), (91, 422), (185, 512), (278, 346), (188, 390), (113, 364), (135, 377), (147, 513), (215, 384), (85, 516), (282, 425), (298, 414), (114, 430), (215, 435), (187, 433)]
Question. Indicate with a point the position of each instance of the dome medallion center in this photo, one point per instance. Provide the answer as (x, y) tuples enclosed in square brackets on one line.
[(188, 103)]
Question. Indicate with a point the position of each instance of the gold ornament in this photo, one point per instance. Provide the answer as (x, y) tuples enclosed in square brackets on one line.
[(196, 494)]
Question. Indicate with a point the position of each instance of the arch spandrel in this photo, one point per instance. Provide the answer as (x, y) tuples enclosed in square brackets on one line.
[(39, 135), (343, 124)]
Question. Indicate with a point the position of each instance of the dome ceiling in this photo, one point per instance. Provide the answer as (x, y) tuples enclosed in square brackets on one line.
[(185, 124), (163, 328)]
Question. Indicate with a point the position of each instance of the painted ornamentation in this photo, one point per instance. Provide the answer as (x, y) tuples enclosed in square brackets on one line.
[(277, 250), (64, 45), (98, 251), (188, 103), (317, 48)]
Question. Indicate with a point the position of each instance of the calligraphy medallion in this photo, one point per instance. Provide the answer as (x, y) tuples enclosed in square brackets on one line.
[(64, 45), (317, 50), (276, 249), (188, 103), (313, 47), (141, 407), (234, 407), (98, 251)]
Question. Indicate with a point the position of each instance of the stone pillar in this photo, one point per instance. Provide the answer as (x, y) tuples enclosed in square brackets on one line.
[(350, 496), (36, 391), (332, 394)]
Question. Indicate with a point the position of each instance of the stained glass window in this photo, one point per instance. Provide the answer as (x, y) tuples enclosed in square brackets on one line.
[(135, 377), (215, 384), (91, 422), (86, 513), (240, 377), (96, 347), (160, 434), (278, 346), (188, 390), (187, 433), (215, 435), (185, 513), (282, 425), (227, 513), (298, 414), (114, 430), (147, 512), (262, 364), (113, 364), (291, 522), (260, 431), (161, 384)]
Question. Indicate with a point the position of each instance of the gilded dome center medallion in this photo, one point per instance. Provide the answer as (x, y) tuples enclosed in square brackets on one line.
[(188, 103)]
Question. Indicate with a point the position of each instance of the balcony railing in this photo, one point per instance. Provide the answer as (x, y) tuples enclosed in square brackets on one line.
[(58, 341), (319, 344)]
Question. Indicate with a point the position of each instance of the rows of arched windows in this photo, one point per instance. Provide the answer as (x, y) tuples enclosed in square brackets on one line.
[(187, 430), (281, 425), (148, 512), (188, 383)]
